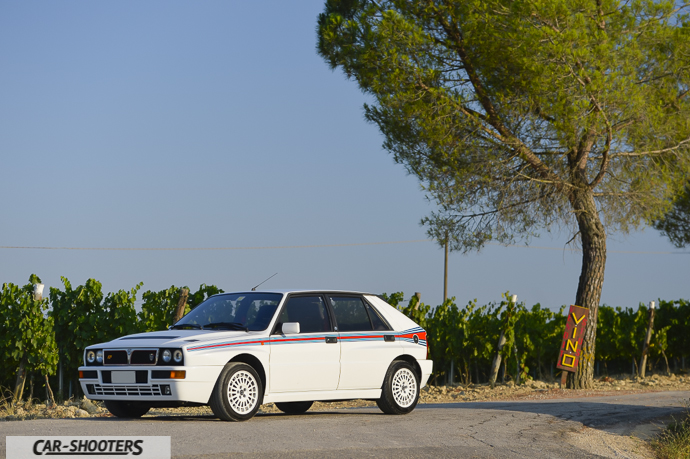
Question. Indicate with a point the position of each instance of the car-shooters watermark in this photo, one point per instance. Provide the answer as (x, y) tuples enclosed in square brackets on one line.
[(83, 447)]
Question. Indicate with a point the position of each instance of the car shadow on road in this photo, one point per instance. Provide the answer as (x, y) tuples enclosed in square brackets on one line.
[(594, 414), (206, 417)]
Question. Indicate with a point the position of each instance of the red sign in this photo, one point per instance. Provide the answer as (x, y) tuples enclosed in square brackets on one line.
[(572, 338)]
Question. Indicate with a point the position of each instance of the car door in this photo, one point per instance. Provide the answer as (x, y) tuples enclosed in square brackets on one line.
[(365, 352), (310, 360)]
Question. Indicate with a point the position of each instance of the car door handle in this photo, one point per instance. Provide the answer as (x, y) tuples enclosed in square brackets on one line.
[(331, 339), (389, 338)]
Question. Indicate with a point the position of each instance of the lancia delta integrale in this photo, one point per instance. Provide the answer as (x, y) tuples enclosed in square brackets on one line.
[(236, 351)]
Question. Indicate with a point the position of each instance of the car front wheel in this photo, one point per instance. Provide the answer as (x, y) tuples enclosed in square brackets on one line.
[(400, 392), (126, 409), (238, 393)]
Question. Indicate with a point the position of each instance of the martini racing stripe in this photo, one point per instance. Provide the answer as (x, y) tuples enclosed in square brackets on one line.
[(407, 336)]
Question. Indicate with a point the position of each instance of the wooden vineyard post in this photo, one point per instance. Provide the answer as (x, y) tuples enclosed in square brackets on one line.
[(574, 334)]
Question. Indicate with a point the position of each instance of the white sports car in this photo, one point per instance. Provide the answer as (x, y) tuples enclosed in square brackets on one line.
[(236, 351)]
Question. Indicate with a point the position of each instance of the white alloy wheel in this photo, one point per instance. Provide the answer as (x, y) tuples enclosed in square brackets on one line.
[(400, 389), (243, 392), (404, 387), (238, 393)]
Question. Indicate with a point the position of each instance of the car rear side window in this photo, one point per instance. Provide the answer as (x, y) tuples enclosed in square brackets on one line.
[(309, 311), (350, 314), (376, 319)]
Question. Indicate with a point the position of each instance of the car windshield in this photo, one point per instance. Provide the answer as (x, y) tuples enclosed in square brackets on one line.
[(233, 311)]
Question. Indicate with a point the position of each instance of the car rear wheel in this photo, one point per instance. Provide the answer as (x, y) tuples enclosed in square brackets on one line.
[(238, 393), (400, 392), (126, 409), (294, 407)]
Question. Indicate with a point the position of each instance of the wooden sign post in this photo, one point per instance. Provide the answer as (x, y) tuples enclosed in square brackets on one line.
[(573, 336)]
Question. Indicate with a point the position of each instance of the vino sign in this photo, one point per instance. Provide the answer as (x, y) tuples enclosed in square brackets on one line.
[(572, 338)]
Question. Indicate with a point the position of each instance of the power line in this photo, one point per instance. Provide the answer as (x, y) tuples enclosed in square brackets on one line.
[(213, 248), (316, 246), (575, 249)]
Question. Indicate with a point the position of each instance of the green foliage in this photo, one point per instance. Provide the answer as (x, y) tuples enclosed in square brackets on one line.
[(79, 320), (468, 336), (25, 331), (158, 310), (539, 333), (506, 110), (201, 295), (676, 222)]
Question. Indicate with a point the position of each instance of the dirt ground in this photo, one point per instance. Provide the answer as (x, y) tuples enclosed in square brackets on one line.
[(533, 390)]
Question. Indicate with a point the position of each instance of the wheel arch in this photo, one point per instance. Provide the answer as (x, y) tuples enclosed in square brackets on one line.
[(255, 363), (412, 361)]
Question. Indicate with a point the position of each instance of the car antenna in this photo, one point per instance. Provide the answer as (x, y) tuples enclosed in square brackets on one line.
[(254, 289)]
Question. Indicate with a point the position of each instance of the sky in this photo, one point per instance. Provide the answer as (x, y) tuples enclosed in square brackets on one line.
[(171, 124)]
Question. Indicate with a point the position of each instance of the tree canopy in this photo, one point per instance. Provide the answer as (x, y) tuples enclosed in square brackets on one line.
[(524, 115), (676, 222)]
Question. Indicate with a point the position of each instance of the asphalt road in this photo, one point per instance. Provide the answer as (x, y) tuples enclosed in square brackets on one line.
[(564, 428)]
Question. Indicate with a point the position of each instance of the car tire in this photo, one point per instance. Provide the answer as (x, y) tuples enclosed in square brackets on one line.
[(400, 391), (238, 393), (122, 409), (294, 407)]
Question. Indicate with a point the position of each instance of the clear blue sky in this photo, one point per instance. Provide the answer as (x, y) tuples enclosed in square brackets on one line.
[(215, 124)]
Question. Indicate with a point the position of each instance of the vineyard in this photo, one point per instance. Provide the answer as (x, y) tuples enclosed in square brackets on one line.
[(42, 340)]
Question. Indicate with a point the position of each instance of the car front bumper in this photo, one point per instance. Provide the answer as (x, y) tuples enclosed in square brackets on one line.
[(137, 383)]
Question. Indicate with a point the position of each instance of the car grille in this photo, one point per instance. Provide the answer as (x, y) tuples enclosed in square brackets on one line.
[(115, 358), (152, 390), (146, 357), (136, 357)]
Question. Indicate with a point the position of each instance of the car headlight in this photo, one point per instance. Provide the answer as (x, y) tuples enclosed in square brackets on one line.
[(166, 356), (99, 356), (90, 357), (177, 356)]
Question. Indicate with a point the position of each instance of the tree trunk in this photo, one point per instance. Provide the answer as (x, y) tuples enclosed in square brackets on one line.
[(21, 379), (668, 368), (647, 340), (184, 293), (31, 389), (50, 398), (593, 238)]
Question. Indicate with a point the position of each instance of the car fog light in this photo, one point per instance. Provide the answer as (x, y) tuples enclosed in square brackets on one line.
[(99, 356), (90, 357), (177, 356), (166, 356), (166, 389)]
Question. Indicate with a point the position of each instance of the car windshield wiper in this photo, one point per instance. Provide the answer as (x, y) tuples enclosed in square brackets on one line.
[(195, 326), (228, 325)]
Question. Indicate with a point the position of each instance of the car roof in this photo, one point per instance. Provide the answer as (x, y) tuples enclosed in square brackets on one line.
[(286, 291)]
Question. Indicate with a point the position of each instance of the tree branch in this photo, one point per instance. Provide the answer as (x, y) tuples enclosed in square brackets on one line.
[(652, 152)]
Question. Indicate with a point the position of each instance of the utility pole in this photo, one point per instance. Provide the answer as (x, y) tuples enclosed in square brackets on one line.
[(445, 271), (647, 340)]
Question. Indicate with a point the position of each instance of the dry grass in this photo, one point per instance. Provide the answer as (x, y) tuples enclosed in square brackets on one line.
[(7, 408), (674, 442)]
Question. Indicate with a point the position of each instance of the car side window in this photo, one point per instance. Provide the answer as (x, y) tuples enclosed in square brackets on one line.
[(309, 311), (350, 314), (376, 319)]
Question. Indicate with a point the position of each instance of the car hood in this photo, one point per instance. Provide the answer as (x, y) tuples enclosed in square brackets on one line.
[(175, 338)]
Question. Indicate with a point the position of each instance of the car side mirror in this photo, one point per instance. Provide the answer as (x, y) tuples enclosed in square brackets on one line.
[(290, 328)]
